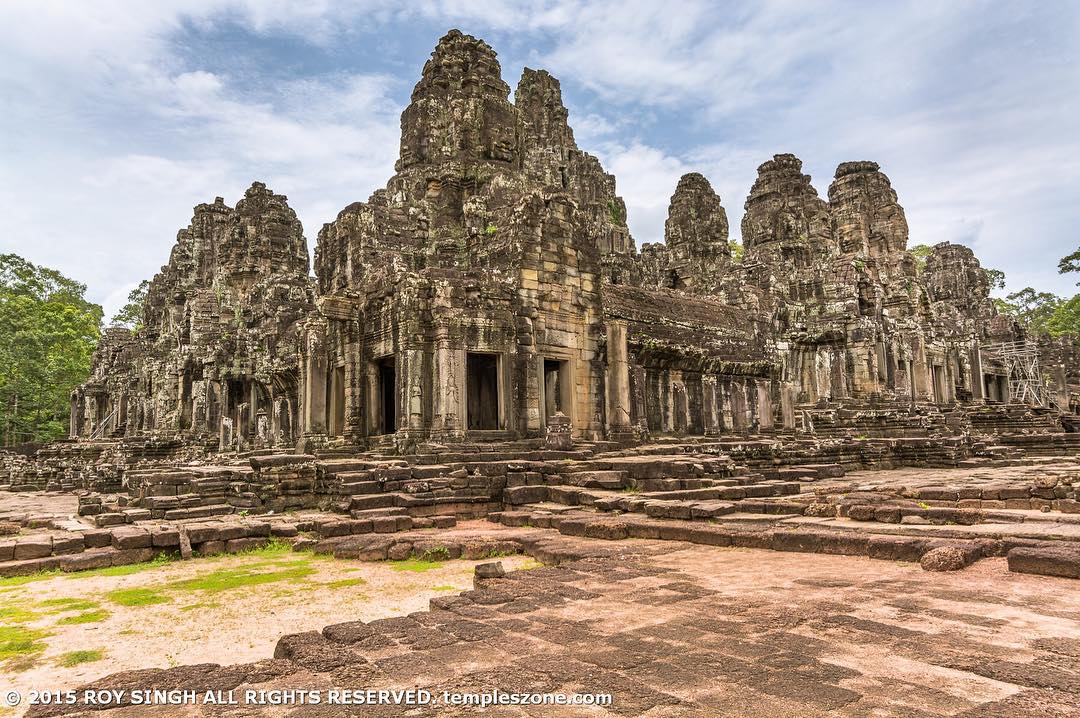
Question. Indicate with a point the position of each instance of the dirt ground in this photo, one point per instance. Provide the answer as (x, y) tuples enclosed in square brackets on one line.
[(223, 609)]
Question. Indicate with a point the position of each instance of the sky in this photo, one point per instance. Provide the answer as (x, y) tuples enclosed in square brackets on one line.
[(118, 116)]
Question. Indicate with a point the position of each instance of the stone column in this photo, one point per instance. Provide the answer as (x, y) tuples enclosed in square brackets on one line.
[(446, 402), (765, 406), (73, 416), (788, 392), (618, 383), (923, 389), (313, 419), (978, 390)]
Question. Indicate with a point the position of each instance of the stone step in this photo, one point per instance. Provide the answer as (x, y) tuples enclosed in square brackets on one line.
[(598, 479), (198, 512), (371, 501)]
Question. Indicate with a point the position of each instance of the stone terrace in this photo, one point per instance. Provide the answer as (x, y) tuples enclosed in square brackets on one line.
[(672, 629)]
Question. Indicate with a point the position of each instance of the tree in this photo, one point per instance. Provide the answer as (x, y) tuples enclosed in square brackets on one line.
[(737, 251), (1070, 264), (1032, 308), (130, 315), (995, 278), (920, 252), (48, 331), (1065, 319)]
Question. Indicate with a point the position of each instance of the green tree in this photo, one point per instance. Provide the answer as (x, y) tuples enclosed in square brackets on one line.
[(1066, 318), (737, 251), (1070, 264), (48, 331), (920, 252), (1032, 308), (130, 315), (995, 278)]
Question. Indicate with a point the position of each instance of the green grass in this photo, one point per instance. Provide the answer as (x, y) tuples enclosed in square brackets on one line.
[(136, 597), (19, 641), (162, 559), (439, 553), (444, 588), (415, 565), (529, 565), (16, 614), (231, 578), (20, 580), (95, 616), (74, 658), (61, 605), (345, 582), (198, 606)]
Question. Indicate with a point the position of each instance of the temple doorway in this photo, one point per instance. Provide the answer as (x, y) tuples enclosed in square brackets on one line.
[(482, 386)]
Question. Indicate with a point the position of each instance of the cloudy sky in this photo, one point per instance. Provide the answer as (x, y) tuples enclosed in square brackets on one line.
[(119, 116)]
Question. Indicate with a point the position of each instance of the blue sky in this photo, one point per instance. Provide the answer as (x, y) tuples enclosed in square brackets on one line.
[(119, 116)]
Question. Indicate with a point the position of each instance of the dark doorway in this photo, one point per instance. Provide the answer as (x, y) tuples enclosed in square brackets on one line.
[(388, 394), (556, 387), (482, 385)]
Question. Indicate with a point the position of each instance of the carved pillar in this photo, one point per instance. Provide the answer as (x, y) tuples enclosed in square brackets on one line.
[(313, 419), (765, 406), (449, 383), (618, 383)]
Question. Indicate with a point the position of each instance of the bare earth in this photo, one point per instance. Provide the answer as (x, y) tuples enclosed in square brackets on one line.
[(227, 626)]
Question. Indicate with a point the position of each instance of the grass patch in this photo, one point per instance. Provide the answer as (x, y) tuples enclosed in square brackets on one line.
[(444, 588), (529, 565), (61, 605), (74, 658), (345, 583), (20, 641), (95, 616), (232, 578), (16, 614), (136, 597), (20, 580), (415, 565), (162, 559), (197, 606)]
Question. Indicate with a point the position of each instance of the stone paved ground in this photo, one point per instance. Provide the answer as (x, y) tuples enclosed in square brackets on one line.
[(679, 630)]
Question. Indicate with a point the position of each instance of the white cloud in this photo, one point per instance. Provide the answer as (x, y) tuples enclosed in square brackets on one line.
[(110, 135)]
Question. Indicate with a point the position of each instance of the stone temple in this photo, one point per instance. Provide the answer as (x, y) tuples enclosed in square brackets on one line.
[(483, 339), (492, 292)]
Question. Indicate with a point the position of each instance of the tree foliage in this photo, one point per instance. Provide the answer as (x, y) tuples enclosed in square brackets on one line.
[(130, 315), (1070, 263), (48, 331)]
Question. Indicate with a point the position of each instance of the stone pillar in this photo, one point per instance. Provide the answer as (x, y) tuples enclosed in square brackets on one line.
[(978, 390), (618, 383), (313, 419), (788, 392), (765, 407), (73, 416), (449, 375), (708, 405), (921, 373)]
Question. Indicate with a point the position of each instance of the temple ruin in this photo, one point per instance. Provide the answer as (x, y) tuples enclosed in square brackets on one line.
[(494, 285)]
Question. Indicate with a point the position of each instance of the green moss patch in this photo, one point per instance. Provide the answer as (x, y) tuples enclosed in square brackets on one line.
[(20, 580), (415, 565), (20, 641), (13, 613), (345, 583), (60, 605), (162, 559), (233, 578), (95, 616), (136, 597), (74, 658)]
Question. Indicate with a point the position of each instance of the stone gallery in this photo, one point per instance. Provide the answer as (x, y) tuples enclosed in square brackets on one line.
[(483, 339)]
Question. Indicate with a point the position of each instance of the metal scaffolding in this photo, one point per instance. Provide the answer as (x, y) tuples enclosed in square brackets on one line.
[(1021, 363)]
